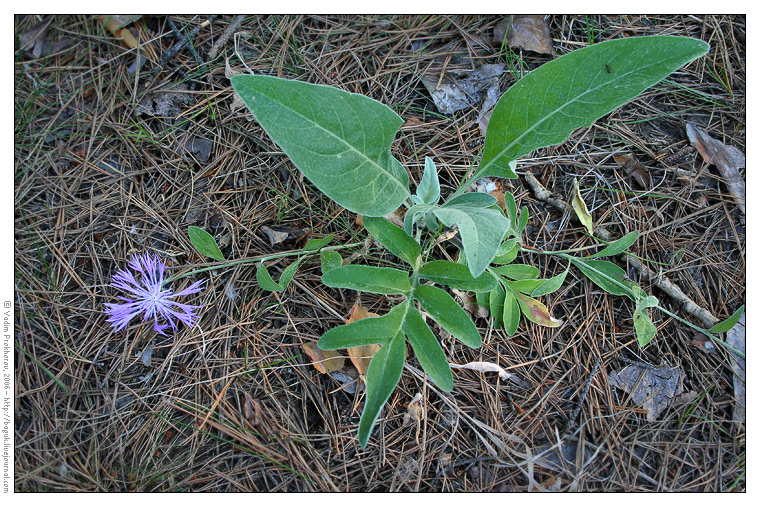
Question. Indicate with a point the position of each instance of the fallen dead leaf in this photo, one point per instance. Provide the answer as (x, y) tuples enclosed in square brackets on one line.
[(703, 342), (530, 33), (252, 411), (452, 94), (325, 361), (470, 304), (728, 160), (361, 356), (579, 206), (483, 367), (285, 236), (415, 412), (635, 169), (650, 388)]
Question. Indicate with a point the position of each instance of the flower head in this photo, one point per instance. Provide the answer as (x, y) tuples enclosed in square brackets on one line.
[(149, 297)]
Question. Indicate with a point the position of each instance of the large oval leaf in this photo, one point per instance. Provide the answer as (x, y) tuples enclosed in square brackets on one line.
[(339, 140), (575, 90)]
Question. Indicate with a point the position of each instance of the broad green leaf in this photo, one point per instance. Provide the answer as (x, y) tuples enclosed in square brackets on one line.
[(544, 107), (496, 305), (264, 279), (317, 243), (392, 237), (507, 252), (642, 324), (368, 279), (550, 284), (368, 331), (608, 276), (340, 141), (446, 312), (204, 243), (330, 260), (413, 214), (579, 206), (429, 189), (481, 230), (456, 276), (383, 375), (727, 324), (618, 246), (536, 311), (647, 302), (483, 299), (472, 200), (428, 350), (511, 316), (517, 271)]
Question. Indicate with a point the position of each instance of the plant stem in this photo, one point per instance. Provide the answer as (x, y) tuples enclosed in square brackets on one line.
[(261, 258), (702, 330)]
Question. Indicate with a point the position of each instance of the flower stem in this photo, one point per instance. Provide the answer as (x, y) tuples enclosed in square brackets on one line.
[(261, 258)]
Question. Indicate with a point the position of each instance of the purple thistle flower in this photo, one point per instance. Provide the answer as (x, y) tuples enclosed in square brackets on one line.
[(150, 297)]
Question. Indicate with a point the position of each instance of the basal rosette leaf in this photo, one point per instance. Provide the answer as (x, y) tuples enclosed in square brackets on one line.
[(340, 141)]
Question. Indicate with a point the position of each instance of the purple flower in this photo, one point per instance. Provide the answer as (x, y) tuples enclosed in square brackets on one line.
[(150, 297)]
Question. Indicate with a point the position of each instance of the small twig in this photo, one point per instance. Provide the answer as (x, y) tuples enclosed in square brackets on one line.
[(571, 422), (232, 28)]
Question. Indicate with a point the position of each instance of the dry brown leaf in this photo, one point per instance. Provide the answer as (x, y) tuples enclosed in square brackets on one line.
[(483, 367), (651, 388), (635, 169), (415, 412), (286, 236), (325, 361), (527, 32), (252, 411), (116, 25), (470, 304), (728, 160), (361, 356)]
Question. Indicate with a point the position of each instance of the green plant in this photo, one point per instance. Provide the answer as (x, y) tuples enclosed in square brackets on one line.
[(342, 143)]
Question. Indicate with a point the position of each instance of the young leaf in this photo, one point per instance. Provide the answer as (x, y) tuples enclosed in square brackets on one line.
[(392, 237), (340, 141), (608, 276), (481, 229), (264, 279), (496, 305), (330, 260), (642, 324), (511, 316), (383, 375), (536, 311), (456, 276), (368, 279), (510, 206), (446, 312), (575, 90), (618, 246), (367, 331), (507, 252), (522, 221), (581, 211), (471, 200), (517, 271), (204, 243), (429, 190), (727, 324), (550, 284), (317, 243), (415, 213), (288, 273), (428, 350), (524, 286)]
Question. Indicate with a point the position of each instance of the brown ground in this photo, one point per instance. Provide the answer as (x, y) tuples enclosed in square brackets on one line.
[(234, 405)]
